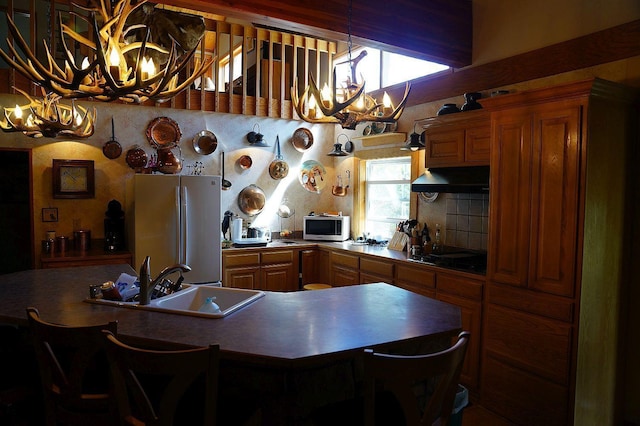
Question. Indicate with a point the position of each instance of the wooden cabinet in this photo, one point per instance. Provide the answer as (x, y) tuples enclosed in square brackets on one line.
[(466, 293), (241, 270), (420, 279), (273, 270), (373, 270), (550, 283), (456, 140), (309, 263), (345, 269)]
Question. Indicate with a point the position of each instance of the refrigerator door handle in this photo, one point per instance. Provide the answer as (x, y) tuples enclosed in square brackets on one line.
[(184, 231), (178, 222)]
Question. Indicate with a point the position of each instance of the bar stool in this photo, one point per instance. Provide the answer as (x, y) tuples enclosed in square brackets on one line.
[(316, 286)]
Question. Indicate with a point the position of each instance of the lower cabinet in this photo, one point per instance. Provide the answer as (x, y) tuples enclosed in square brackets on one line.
[(345, 269), (374, 270), (267, 270), (418, 279), (466, 293)]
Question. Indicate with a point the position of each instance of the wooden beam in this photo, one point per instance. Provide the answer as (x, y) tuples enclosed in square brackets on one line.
[(613, 44), (435, 30)]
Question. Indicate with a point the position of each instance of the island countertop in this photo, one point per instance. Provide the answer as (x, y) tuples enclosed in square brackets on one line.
[(289, 330)]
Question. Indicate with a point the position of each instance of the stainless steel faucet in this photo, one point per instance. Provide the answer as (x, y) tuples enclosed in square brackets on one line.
[(147, 285)]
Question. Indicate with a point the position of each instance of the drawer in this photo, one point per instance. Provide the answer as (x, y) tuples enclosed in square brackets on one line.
[(420, 276), (241, 259), (281, 256), (460, 286), (376, 267), (345, 260)]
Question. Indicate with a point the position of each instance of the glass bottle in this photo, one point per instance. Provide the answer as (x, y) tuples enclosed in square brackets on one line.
[(436, 248)]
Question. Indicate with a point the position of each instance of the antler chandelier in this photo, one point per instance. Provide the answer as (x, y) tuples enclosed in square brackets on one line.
[(119, 66), (48, 118), (354, 105)]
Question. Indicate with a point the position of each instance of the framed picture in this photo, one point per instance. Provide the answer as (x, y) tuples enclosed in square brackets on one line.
[(73, 179), (49, 214)]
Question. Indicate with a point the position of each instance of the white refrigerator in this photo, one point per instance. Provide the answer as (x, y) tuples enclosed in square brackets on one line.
[(176, 219)]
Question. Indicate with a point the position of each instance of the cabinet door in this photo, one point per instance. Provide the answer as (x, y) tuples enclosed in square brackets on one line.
[(554, 199), (324, 267), (341, 276), (477, 143), (309, 267), (278, 277), (445, 148), (419, 280), (244, 277), (510, 199), (465, 293)]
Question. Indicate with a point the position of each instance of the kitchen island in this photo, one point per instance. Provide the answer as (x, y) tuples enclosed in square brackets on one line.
[(294, 350)]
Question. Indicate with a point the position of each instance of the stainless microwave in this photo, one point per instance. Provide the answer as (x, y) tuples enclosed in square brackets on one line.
[(326, 228)]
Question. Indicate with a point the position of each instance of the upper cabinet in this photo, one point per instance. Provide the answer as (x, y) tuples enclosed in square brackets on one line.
[(457, 140)]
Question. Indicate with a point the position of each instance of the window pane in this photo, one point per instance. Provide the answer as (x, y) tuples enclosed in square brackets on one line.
[(398, 68), (368, 68), (387, 195)]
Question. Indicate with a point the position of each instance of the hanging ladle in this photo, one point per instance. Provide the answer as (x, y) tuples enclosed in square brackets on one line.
[(339, 190), (225, 183)]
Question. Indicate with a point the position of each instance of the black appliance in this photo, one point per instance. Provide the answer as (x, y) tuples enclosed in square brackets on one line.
[(455, 258), (114, 227), (473, 179)]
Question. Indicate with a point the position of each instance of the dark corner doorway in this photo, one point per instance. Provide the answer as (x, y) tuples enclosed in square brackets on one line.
[(16, 217)]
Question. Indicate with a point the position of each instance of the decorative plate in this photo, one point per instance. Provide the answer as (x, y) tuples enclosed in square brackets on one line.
[(428, 197), (302, 139), (163, 132), (311, 176)]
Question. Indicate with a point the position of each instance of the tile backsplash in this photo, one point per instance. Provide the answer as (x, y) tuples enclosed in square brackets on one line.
[(467, 220)]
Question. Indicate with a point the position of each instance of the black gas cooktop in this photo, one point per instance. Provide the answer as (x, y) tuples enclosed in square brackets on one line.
[(454, 258)]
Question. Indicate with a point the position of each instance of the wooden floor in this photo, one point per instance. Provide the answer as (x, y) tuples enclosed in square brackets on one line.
[(476, 415)]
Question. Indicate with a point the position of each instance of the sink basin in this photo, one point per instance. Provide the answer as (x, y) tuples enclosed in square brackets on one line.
[(189, 300)]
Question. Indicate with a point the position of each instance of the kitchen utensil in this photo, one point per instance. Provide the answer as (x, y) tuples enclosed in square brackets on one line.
[(112, 148), (225, 183), (302, 139), (339, 190), (168, 163), (163, 132), (136, 158), (251, 200), (205, 142), (278, 168)]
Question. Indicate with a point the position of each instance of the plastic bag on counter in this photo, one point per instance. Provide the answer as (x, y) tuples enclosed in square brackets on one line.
[(128, 286)]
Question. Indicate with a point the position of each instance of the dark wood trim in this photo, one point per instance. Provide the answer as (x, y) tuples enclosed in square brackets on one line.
[(437, 30), (613, 44)]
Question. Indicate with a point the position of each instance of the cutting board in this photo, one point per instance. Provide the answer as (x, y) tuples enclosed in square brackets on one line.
[(399, 241)]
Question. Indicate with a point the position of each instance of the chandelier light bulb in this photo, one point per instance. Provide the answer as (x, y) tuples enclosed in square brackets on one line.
[(326, 95), (85, 63), (17, 113)]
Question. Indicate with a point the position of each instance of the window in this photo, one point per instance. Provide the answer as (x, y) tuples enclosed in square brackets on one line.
[(387, 194), (382, 69)]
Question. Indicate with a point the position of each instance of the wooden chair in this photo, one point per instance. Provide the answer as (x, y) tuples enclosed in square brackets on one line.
[(164, 387), (73, 369), (400, 376)]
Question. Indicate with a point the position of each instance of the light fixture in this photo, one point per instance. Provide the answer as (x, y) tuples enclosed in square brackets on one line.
[(120, 66), (353, 107), (337, 148), (49, 118), (415, 142)]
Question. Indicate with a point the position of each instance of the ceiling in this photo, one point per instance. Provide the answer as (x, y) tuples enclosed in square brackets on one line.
[(434, 30)]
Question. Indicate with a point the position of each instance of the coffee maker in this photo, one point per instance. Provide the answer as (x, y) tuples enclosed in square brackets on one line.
[(114, 227)]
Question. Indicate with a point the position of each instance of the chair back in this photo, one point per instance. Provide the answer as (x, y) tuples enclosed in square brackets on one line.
[(73, 369), (403, 376), (154, 387)]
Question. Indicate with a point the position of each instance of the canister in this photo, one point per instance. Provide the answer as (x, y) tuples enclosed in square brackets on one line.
[(82, 239), (62, 244)]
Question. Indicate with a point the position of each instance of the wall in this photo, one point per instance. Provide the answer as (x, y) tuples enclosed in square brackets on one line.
[(130, 125)]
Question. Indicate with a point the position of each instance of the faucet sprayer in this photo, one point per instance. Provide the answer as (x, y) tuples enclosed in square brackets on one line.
[(147, 285)]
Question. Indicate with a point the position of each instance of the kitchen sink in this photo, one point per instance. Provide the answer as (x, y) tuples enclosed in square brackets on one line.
[(189, 300)]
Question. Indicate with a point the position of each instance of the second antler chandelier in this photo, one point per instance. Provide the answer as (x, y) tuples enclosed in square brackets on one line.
[(120, 64)]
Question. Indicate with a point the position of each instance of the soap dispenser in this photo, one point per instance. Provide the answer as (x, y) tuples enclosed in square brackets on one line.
[(210, 306)]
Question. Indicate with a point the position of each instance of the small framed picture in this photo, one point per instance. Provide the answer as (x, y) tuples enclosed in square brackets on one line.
[(50, 214)]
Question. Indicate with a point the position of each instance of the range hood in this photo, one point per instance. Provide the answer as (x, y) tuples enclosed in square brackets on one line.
[(453, 179)]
